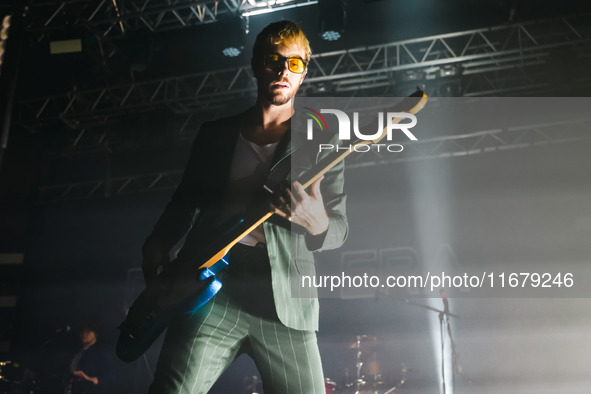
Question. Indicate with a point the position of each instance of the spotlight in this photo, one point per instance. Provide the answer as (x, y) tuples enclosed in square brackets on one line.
[(331, 19), (331, 35), (448, 71), (232, 51), (233, 33)]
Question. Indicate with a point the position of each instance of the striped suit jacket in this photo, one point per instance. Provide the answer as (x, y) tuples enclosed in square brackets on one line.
[(290, 252)]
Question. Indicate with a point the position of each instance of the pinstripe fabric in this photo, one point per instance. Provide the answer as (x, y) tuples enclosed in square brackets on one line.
[(198, 348), (287, 359), (242, 318)]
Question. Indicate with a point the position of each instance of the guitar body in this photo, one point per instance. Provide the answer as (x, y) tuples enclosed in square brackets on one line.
[(183, 289)]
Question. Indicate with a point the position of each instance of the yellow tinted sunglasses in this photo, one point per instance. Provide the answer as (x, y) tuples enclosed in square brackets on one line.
[(295, 64)]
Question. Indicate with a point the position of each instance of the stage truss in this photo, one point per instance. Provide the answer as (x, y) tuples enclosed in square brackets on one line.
[(514, 59)]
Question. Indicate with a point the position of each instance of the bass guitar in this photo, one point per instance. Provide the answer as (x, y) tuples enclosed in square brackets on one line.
[(186, 286)]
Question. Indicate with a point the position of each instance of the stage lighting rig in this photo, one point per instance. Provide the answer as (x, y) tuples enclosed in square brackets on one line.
[(235, 35), (331, 19)]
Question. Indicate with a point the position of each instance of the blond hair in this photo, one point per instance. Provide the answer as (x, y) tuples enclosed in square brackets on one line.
[(277, 33)]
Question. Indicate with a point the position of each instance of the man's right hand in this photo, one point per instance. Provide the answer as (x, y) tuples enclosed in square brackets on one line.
[(154, 254)]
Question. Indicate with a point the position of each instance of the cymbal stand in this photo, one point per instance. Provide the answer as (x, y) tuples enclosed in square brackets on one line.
[(359, 382), (444, 328)]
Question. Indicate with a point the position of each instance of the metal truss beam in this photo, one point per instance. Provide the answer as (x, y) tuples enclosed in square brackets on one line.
[(201, 92), (111, 187), (462, 53), (113, 18), (489, 61), (465, 144), (102, 134), (480, 142), (101, 137)]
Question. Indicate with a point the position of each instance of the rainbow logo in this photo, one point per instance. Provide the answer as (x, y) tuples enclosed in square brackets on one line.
[(316, 115)]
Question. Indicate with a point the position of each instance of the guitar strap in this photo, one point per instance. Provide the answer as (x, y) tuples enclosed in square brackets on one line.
[(277, 176)]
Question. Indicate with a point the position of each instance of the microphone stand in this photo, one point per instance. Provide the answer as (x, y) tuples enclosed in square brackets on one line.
[(444, 327), (443, 323)]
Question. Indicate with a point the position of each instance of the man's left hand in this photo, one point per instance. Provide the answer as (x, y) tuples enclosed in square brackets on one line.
[(305, 209), (82, 375)]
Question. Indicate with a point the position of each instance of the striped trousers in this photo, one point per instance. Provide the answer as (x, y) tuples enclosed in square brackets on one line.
[(199, 347)]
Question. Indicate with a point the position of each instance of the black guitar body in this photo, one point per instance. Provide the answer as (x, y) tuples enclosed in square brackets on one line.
[(183, 289)]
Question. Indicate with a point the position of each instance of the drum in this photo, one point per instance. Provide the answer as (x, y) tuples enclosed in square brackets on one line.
[(330, 386), (11, 375)]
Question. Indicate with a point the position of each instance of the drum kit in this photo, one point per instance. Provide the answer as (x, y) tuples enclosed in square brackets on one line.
[(13, 377), (369, 376)]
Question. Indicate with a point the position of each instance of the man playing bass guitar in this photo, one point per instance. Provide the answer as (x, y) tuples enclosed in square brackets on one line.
[(254, 312)]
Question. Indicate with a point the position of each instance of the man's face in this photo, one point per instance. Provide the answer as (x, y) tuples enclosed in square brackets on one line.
[(276, 83), (87, 336)]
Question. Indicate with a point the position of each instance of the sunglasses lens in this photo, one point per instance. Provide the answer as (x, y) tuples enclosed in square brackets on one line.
[(296, 65), (271, 60)]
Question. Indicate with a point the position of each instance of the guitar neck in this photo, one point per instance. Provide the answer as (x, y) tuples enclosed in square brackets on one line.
[(412, 104)]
